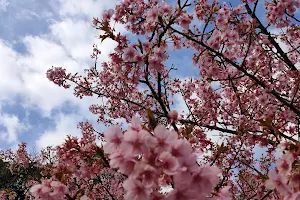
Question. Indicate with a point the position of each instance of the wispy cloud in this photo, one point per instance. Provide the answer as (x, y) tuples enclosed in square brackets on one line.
[(3, 5)]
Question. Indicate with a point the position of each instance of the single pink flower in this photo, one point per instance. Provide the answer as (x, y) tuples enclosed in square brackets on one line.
[(284, 165), (152, 15), (107, 14), (58, 189), (134, 142), (155, 63), (151, 142), (224, 193), (36, 190), (135, 190), (278, 182), (173, 115), (129, 54), (181, 148), (136, 124), (189, 163), (185, 21), (125, 164), (168, 163), (294, 196), (205, 179), (114, 138), (182, 191), (165, 138), (146, 172), (165, 9)]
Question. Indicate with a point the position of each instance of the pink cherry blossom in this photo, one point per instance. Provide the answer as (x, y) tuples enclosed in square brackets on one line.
[(36, 190), (181, 148), (173, 115), (205, 179), (135, 190), (114, 138), (135, 124), (134, 142), (278, 182), (294, 196), (152, 15), (164, 138), (155, 63), (184, 21), (58, 189), (284, 165), (146, 172), (182, 183), (107, 14), (168, 163), (224, 194), (125, 163), (165, 9), (129, 54)]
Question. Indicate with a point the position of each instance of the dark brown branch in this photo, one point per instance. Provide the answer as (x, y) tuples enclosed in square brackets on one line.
[(107, 191), (267, 194), (291, 16)]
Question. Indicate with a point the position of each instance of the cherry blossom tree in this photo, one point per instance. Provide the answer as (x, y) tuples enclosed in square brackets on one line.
[(246, 91), (19, 171)]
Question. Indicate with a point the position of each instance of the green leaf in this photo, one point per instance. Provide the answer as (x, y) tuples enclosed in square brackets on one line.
[(151, 119)]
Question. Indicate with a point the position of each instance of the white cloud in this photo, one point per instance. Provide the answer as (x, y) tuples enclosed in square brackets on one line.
[(26, 75), (65, 125), (180, 105), (67, 44), (77, 38), (87, 8), (283, 46), (13, 127), (77, 41), (10, 83)]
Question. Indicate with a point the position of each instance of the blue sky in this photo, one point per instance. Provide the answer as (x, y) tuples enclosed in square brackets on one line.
[(35, 35)]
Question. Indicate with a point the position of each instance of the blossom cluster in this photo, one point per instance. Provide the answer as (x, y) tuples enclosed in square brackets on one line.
[(284, 180), (161, 158), (276, 11), (49, 189)]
